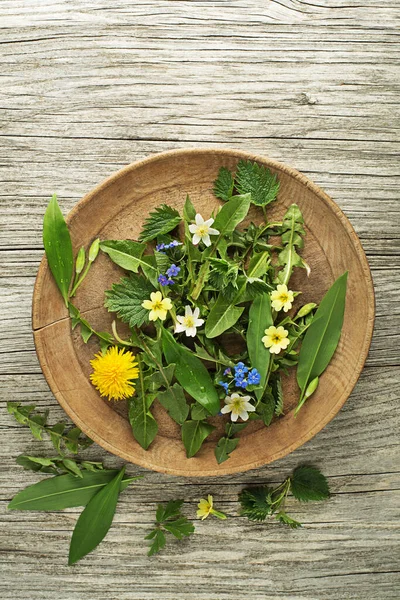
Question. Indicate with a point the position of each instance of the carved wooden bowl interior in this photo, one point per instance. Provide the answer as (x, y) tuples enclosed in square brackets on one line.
[(116, 209)]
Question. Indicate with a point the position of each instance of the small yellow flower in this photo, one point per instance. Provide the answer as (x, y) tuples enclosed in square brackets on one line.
[(158, 306), (276, 339), (282, 298), (205, 508), (113, 373)]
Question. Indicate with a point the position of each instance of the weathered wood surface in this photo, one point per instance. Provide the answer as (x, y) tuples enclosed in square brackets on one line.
[(88, 87)]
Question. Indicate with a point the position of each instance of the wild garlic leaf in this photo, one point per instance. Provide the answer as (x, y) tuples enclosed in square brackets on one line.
[(125, 299), (223, 185), (193, 435), (322, 337), (293, 230), (174, 401), (65, 491), (260, 318), (223, 315), (308, 484), (162, 220), (58, 247), (95, 520), (224, 447), (231, 214), (257, 180), (127, 254), (190, 373)]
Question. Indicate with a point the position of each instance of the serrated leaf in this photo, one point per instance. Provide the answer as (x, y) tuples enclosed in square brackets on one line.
[(257, 180), (170, 510), (278, 395), (293, 230), (222, 273), (193, 435), (125, 253), (223, 185), (126, 299), (58, 247), (174, 401), (179, 528), (308, 484), (260, 318), (64, 491), (255, 503), (95, 520), (286, 520), (159, 541), (162, 220), (224, 447)]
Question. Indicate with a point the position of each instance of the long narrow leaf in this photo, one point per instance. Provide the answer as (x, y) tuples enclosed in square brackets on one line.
[(260, 318)]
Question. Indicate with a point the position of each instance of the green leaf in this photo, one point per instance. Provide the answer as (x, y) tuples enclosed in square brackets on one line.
[(293, 231), (162, 220), (258, 265), (168, 511), (58, 247), (256, 180), (126, 299), (223, 315), (193, 435), (231, 214), (278, 395), (191, 373), (198, 412), (322, 337), (179, 528), (64, 491), (189, 211), (95, 520), (125, 253), (223, 273), (158, 379), (174, 401), (223, 185), (260, 318), (256, 503), (308, 484), (224, 447), (266, 408), (159, 541), (286, 520), (144, 426)]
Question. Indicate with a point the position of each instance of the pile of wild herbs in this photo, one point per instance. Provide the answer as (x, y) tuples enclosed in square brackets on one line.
[(195, 282)]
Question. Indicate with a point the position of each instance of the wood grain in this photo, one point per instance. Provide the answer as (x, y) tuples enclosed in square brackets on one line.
[(88, 87)]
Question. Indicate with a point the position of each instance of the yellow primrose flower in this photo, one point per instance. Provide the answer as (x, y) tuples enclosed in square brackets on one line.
[(205, 508), (158, 306), (282, 298), (113, 373), (276, 339)]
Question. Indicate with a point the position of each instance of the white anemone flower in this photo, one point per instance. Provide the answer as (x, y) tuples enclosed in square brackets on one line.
[(189, 322), (238, 406), (202, 230)]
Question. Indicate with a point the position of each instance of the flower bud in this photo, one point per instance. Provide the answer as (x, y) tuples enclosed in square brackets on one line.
[(80, 260), (312, 386), (306, 309), (94, 250)]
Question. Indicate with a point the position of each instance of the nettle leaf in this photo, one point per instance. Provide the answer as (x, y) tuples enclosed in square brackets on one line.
[(278, 395), (58, 247), (193, 435), (224, 447), (308, 484), (124, 253), (231, 214), (223, 185), (256, 503), (223, 273), (162, 220), (257, 180), (322, 337), (174, 401), (293, 230), (260, 318), (125, 298), (65, 491)]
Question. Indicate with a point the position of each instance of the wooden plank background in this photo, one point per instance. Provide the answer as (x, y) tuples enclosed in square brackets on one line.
[(90, 86)]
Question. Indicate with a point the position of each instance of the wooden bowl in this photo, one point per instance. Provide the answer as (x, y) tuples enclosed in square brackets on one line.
[(116, 209)]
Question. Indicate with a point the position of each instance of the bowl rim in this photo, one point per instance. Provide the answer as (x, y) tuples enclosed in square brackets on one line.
[(309, 434)]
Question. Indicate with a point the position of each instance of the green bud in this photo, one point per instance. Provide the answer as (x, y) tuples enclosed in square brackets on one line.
[(94, 250), (306, 309), (80, 261), (312, 386)]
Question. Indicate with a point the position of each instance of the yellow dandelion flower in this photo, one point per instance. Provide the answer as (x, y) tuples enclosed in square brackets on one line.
[(205, 509), (113, 373), (276, 339), (158, 306), (282, 298)]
